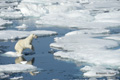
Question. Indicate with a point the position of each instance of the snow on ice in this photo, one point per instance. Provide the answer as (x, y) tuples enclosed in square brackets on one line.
[(21, 27), (82, 47), (4, 22), (98, 71), (15, 68), (14, 34), (8, 9)]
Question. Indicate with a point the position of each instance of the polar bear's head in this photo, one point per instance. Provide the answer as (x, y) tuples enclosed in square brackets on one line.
[(34, 36)]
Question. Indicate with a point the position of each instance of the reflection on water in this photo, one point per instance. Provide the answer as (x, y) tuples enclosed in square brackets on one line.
[(21, 66), (22, 60)]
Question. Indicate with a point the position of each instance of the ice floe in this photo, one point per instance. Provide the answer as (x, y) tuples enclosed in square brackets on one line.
[(11, 15), (22, 27), (2, 75), (8, 9), (98, 71), (68, 19), (112, 17), (81, 19), (41, 8), (1, 28), (6, 70), (69, 13), (4, 22), (10, 54), (17, 68), (17, 78), (14, 34), (104, 4), (82, 46)]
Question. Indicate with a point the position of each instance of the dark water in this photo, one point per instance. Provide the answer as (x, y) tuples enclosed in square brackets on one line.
[(52, 68)]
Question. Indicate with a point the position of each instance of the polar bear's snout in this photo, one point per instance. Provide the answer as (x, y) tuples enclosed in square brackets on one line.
[(35, 36)]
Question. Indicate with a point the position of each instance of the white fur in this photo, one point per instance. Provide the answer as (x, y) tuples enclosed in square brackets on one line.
[(25, 43)]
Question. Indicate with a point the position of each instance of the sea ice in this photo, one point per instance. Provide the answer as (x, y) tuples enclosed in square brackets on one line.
[(2, 75), (68, 19), (22, 27), (81, 19), (8, 9), (14, 34), (82, 46), (42, 8), (11, 54), (4, 22), (11, 15), (104, 4), (17, 78), (1, 28), (14, 68), (8, 69), (98, 71), (112, 17)]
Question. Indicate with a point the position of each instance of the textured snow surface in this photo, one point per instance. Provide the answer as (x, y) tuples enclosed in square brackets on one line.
[(11, 15), (40, 8), (17, 78), (82, 46), (4, 22), (21, 27), (14, 34), (71, 13), (98, 71), (17, 68), (6, 70), (8, 9), (81, 19)]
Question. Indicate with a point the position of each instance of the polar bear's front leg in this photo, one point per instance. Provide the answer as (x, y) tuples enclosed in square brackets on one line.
[(31, 47)]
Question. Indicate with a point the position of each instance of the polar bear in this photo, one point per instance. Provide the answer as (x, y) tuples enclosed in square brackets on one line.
[(25, 43)]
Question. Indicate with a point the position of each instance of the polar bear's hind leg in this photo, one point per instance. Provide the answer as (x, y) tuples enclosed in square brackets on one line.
[(19, 51)]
